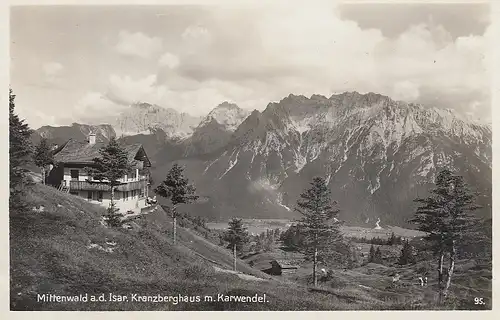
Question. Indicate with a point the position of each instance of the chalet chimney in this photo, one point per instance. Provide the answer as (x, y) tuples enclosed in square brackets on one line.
[(91, 138)]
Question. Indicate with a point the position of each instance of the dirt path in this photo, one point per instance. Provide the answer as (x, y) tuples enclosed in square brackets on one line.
[(239, 274)]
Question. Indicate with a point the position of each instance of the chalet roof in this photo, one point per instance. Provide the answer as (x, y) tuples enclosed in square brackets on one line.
[(74, 151), (286, 263), (261, 261), (264, 261)]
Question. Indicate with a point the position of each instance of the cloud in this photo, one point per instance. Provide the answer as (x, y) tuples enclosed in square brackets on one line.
[(52, 72), (52, 68), (94, 108), (277, 50), (169, 60), (406, 91), (253, 55), (138, 44), (126, 90)]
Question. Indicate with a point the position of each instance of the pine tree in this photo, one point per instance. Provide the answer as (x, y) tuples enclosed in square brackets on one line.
[(371, 255), (20, 150), (321, 232), (392, 240), (446, 216), (111, 166), (406, 256), (43, 157), (177, 189), (236, 235), (292, 238), (377, 257)]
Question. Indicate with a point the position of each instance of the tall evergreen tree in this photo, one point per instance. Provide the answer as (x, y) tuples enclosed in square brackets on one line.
[(406, 256), (320, 229), (392, 240), (20, 150), (236, 235), (292, 238), (111, 166), (371, 255), (43, 157), (446, 216), (177, 189), (377, 257)]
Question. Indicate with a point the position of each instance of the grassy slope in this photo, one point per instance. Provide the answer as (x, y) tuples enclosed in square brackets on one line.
[(50, 254), (374, 281)]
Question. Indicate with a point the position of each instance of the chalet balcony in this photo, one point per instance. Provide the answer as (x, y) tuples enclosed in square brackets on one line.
[(88, 186), (99, 186), (134, 185)]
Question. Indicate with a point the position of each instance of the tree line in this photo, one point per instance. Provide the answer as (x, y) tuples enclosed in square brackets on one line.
[(392, 240)]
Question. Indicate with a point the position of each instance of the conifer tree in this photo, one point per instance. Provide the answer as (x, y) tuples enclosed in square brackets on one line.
[(406, 256), (446, 217), (43, 157), (236, 235), (320, 229), (111, 166), (20, 150), (392, 240), (177, 189), (292, 238), (371, 255), (377, 257)]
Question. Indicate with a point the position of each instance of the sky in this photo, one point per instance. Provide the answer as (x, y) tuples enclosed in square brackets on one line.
[(86, 64)]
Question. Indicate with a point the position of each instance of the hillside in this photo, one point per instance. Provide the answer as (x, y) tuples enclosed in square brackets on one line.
[(63, 249)]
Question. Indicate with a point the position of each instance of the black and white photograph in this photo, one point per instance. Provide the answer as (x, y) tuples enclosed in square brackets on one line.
[(254, 156)]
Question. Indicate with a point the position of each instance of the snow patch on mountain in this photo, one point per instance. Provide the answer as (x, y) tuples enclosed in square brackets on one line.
[(226, 114), (232, 162)]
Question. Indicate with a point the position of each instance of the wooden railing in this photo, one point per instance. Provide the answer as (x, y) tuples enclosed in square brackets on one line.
[(135, 185), (99, 186), (90, 186)]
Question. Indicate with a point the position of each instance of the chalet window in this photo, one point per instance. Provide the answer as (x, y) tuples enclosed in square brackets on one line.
[(117, 195), (125, 195), (89, 195), (133, 174), (75, 193), (99, 196), (75, 175), (141, 192)]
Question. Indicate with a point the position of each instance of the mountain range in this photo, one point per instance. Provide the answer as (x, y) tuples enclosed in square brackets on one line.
[(377, 154), (143, 117)]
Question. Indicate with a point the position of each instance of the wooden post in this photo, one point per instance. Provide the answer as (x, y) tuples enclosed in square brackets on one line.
[(174, 216), (234, 255), (450, 269), (440, 277), (315, 263)]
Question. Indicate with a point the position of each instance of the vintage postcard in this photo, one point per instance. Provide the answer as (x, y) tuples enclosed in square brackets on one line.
[(265, 156)]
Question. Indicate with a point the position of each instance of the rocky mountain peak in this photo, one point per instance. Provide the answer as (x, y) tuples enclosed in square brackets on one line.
[(227, 114), (143, 117)]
